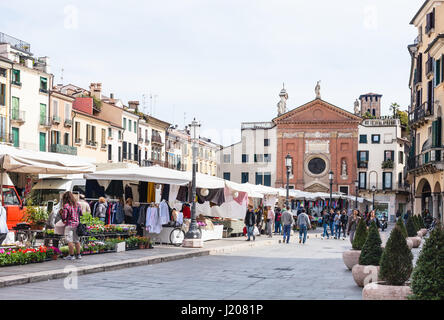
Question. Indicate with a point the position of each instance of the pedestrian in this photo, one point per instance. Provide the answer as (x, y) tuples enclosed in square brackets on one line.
[(128, 209), (303, 224), (344, 220), (352, 224), (84, 204), (325, 223), (372, 218), (101, 209), (428, 220), (259, 213), (332, 222), (406, 216), (270, 220), (337, 223), (249, 221), (71, 213), (3, 225), (287, 221), (277, 221)]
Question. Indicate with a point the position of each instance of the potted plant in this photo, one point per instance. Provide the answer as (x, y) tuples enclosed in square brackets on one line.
[(64, 251), (35, 216), (351, 257), (428, 274), (412, 232), (52, 253), (367, 269), (395, 269)]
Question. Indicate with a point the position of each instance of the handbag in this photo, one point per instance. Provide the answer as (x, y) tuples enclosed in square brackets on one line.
[(59, 228), (255, 231), (82, 230)]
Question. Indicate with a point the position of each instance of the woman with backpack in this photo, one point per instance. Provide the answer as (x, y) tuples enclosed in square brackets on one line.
[(71, 212)]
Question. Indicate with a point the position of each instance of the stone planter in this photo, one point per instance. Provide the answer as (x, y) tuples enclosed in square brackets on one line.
[(409, 243), (416, 241), (351, 257), (365, 274), (424, 231), (380, 291)]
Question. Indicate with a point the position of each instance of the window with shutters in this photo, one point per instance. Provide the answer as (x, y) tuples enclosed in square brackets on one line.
[(110, 156), (67, 111), (124, 155), (66, 139), (267, 179), (362, 180), (124, 123), (88, 135), (387, 180), (103, 144), (227, 176), (136, 152), (436, 133), (430, 22), (389, 155), (2, 94), (401, 157), (438, 75), (77, 132), (245, 158), (244, 177), (93, 135), (362, 138), (376, 138), (259, 178)]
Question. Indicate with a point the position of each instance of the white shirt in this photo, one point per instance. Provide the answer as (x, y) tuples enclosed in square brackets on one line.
[(3, 224), (164, 212)]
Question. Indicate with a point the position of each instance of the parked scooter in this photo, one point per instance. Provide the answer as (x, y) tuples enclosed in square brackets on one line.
[(383, 222)]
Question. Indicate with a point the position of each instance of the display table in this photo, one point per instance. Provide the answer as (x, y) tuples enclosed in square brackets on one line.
[(234, 227), (164, 235)]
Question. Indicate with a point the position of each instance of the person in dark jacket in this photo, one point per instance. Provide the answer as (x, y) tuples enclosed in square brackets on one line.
[(325, 223), (372, 217), (250, 221), (277, 221), (344, 220), (259, 213)]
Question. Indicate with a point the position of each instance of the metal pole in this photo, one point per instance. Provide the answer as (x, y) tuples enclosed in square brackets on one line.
[(331, 191), (356, 201), (193, 232), (373, 201), (288, 188)]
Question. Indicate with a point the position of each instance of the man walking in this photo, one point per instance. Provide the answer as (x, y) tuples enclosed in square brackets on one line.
[(303, 224), (270, 220), (332, 222), (249, 221), (287, 221)]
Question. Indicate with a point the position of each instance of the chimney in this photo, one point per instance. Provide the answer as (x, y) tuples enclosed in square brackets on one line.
[(96, 90), (133, 105)]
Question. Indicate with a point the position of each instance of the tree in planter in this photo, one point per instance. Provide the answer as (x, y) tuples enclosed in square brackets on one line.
[(371, 251), (396, 260), (360, 235), (428, 275), (401, 226), (411, 227), (421, 222), (416, 223)]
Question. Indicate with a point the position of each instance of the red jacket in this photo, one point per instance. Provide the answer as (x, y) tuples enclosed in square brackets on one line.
[(187, 212)]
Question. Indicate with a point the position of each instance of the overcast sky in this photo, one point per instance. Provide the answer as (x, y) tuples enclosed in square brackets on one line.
[(223, 61)]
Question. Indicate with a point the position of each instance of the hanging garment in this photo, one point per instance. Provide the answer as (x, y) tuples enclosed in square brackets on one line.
[(186, 212), (182, 195), (174, 190), (143, 191), (151, 192), (135, 215), (128, 192), (93, 189), (165, 192), (142, 216), (115, 188), (164, 212), (119, 214), (179, 218), (153, 224), (216, 196)]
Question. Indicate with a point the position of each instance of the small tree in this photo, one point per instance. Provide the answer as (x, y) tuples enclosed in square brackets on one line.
[(396, 260), (421, 223), (371, 251), (428, 275), (411, 227), (416, 222), (360, 235), (401, 225)]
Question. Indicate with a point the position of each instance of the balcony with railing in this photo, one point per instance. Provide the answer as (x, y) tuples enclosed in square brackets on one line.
[(55, 119), (147, 141), (45, 122), (421, 115), (429, 67), (61, 148), (387, 164), (429, 161), (68, 123), (91, 143), (157, 139), (362, 164), (149, 163), (417, 77), (15, 43), (17, 116)]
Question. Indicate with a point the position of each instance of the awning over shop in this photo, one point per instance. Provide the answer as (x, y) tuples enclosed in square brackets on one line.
[(27, 161)]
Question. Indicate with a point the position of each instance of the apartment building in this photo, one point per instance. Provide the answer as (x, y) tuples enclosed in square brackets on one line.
[(5, 97), (426, 157)]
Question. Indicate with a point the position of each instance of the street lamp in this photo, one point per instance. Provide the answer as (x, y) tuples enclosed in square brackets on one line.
[(288, 164), (373, 190), (356, 190), (193, 232), (330, 177)]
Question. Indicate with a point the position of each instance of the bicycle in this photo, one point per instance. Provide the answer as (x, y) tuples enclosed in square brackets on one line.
[(177, 235)]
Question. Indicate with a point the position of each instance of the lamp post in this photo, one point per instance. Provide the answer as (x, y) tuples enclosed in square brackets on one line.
[(330, 177), (356, 190), (373, 190), (193, 232), (288, 165)]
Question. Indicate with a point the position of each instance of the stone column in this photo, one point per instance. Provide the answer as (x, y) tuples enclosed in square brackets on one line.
[(435, 198), (417, 205)]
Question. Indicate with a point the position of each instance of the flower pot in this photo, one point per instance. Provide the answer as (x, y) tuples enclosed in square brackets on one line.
[(351, 257), (54, 257), (416, 241), (380, 291), (424, 231), (365, 274), (141, 246), (37, 226), (409, 243)]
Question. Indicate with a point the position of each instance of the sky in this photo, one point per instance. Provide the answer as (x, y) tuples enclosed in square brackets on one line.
[(223, 62)]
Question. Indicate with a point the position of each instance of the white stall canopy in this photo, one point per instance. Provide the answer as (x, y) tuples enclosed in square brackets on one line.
[(155, 174), (27, 161)]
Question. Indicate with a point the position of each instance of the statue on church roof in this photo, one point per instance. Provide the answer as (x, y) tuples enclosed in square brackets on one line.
[(357, 107), (318, 90), (282, 105)]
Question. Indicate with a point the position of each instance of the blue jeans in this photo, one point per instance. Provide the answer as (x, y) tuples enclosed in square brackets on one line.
[(287, 229), (343, 226), (325, 230), (338, 230), (250, 230), (278, 227), (303, 230), (332, 228)]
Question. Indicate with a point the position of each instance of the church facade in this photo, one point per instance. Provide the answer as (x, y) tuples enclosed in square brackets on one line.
[(320, 138)]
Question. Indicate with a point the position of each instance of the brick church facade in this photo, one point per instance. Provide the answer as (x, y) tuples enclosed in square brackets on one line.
[(319, 137)]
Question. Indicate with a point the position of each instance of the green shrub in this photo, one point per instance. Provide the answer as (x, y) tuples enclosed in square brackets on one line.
[(428, 275), (416, 222), (411, 227), (396, 260), (360, 235), (401, 226), (421, 222), (371, 251)]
